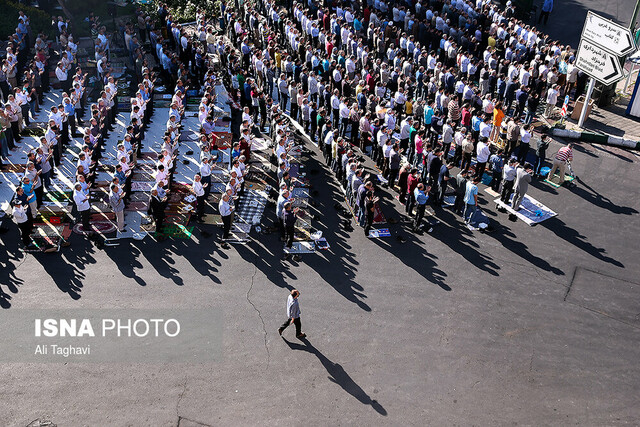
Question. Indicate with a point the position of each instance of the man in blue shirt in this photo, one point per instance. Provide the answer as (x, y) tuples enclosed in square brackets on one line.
[(421, 196), (70, 110), (497, 163), (471, 198), (428, 114), (246, 54), (547, 7)]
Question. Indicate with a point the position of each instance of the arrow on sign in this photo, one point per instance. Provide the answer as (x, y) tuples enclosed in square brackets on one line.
[(615, 71), (598, 63), (608, 35)]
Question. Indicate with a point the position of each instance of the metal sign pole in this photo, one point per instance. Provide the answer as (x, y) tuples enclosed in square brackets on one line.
[(626, 83), (583, 113)]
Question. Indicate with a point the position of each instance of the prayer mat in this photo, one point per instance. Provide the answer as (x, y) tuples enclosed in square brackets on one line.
[(178, 208), (257, 186), (259, 144), (296, 151), (57, 196), (295, 170), (567, 178), (103, 216), (176, 231), (378, 216), (137, 206), (224, 139), (142, 185), (180, 219), (301, 248), (142, 176), (175, 198), (149, 155), (251, 206), (45, 244), (46, 213), (74, 149), (256, 176), (100, 206), (300, 192), (237, 237), (212, 219), (490, 192), (43, 229), (149, 228), (302, 223), (102, 227), (301, 183), (531, 211), (54, 204), (218, 187), (66, 232), (382, 232), (14, 168), (147, 171), (181, 188), (300, 235), (219, 178), (301, 203), (241, 227), (188, 136), (138, 197)]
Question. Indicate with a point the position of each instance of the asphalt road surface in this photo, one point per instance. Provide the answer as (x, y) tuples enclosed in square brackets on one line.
[(567, 18), (525, 325)]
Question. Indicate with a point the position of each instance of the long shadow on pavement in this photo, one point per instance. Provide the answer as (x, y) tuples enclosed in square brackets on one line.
[(338, 375), (593, 197), (10, 258), (573, 237)]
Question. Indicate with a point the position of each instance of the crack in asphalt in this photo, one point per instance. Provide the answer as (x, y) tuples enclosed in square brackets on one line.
[(193, 421), (184, 390), (264, 327)]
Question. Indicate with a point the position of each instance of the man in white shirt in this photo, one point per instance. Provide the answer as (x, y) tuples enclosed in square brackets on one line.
[(485, 127), (552, 99), (344, 117), (226, 213), (405, 128), (61, 75), (24, 223), (161, 176), (198, 190), (525, 138), (239, 174), (205, 176), (482, 156), (82, 204)]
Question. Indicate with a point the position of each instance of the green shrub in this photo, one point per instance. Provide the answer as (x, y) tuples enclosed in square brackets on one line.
[(40, 21), (184, 10)]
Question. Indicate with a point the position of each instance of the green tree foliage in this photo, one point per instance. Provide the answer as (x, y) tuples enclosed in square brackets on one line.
[(40, 21)]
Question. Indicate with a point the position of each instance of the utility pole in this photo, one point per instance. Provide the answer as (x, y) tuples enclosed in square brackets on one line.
[(585, 106)]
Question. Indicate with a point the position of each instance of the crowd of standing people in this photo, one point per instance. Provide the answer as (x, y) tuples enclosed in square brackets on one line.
[(420, 87)]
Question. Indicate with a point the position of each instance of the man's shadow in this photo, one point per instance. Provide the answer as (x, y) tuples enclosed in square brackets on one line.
[(338, 375)]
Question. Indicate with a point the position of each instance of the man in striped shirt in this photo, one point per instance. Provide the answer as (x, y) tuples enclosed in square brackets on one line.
[(564, 155)]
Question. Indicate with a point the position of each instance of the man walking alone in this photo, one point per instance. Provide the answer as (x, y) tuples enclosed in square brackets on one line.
[(293, 315)]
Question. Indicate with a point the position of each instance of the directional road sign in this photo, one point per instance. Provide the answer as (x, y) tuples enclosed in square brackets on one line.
[(608, 35), (598, 63)]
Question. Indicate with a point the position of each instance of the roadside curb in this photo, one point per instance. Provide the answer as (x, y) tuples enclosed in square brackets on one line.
[(597, 138)]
